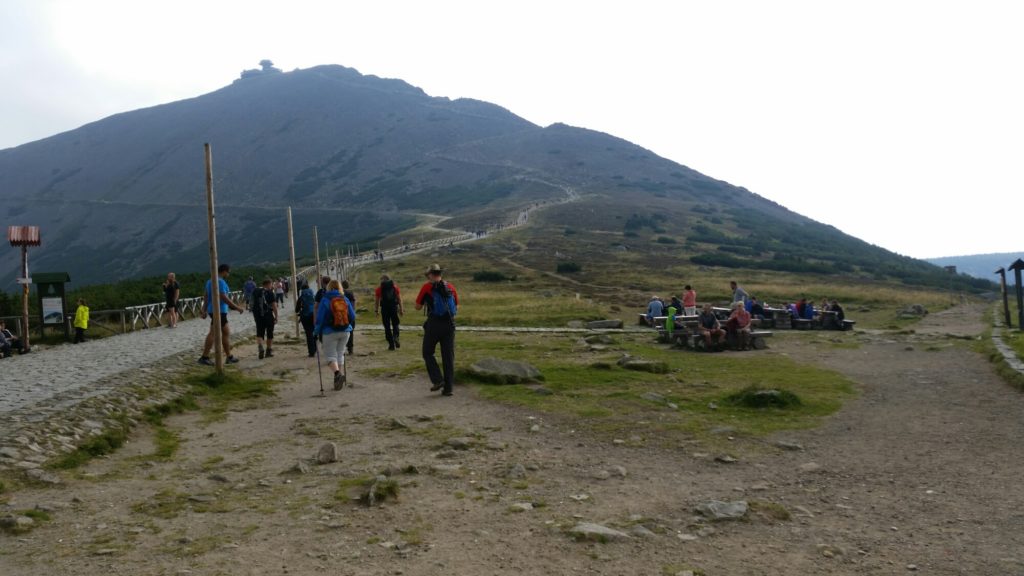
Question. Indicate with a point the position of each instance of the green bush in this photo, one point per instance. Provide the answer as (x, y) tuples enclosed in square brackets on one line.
[(665, 240), (757, 397), (568, 267), (489, 276)]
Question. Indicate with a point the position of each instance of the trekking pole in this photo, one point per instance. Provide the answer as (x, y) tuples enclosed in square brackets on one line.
[(320, 371)]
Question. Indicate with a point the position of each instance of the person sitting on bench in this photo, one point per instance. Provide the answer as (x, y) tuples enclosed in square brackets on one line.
[(840, 315), (12, 341), (654, 308), (709, 327), (738, 325)]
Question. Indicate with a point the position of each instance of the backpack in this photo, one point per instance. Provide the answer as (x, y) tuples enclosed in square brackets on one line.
[(304, 303), (387, 296), (340, 317), (259, 303), (442, 303)]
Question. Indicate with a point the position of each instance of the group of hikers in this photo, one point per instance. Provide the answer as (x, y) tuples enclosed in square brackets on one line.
[(328, 317), (743, 310)]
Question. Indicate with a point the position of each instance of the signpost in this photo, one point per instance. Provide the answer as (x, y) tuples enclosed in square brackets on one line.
[(1017, 266), (24, 236), (53, 304)]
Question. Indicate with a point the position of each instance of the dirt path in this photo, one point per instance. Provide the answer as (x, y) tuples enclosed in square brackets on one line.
[(920, 474)]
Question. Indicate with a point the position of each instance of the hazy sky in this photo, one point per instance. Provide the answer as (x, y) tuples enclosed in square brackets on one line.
[(899, 122)]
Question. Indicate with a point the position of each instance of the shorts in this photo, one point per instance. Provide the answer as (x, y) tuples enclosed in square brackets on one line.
[(223, 318), (264, 327), (334, 347), (171, 305)]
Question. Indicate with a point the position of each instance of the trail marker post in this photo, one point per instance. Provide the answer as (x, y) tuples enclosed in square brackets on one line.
[(24, 236), (1017, 266)]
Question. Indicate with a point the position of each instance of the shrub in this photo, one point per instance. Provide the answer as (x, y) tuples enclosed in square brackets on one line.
[(757, 397), (665, 240), (568, 267), (489, 276)]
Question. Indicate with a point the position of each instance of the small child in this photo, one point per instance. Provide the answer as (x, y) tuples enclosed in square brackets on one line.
[(81, 321)]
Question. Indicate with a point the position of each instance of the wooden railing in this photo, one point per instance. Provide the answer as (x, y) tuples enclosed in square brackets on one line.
[(150, 315)]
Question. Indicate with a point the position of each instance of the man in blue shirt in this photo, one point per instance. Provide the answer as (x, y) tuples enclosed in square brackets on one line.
[(225, 303)]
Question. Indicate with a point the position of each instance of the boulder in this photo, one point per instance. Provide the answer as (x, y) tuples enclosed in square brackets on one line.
[(500, 371), (914, 311), (604, 325), (718, 510), (327, 453), (630, 363)]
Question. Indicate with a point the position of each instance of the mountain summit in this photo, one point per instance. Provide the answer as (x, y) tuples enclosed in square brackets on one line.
[(364, 158)]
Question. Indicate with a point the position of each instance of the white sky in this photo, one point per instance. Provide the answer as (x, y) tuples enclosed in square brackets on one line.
[(900, 122)]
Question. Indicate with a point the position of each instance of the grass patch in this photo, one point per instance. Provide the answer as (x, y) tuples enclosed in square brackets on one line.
[(368, 490), (167, 443), (104, 443), (607, 399), (38, 517), (166, 504), (770, 511)]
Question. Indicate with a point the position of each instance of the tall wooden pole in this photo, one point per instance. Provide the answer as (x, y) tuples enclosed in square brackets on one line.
[(295, 274), (24, 300), (316, 254), (1006, 301), (215, 323)]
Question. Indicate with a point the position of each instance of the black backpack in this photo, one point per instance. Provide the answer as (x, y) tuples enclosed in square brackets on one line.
[(388, 299), (259, 303)]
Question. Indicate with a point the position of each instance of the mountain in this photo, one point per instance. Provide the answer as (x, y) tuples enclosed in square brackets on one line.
[(980, 265), (366, 159)]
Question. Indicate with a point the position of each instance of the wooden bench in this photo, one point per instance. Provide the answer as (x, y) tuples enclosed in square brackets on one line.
[(848, 324), (757, 339), (803, 323)]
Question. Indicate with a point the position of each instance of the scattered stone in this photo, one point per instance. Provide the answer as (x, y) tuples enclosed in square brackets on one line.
[(718, 510), (521, 507), (912, 567), (602, 475), (687, 537), (654, 397), (446, 454), (597, 532), (218, 478), (787, 445), (10, 452), (576, 324), (641, 531), (298, 468), (725, 459), (327, 453), (604, 325), (16, 523), (599, 339), (542, 391), (619, 471), (202, 498), (802, 512), (760, 486), (535, 428), (40, 475), (516, 472), (829, 551), (811, 468), (447, 469), (398, 424), (105, 552), (579, 497), (460, 443), (499, 371), (652, 366), (423, 418), (913, 311), (495, 446)]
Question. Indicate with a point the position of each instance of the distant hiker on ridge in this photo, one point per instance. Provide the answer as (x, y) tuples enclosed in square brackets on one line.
[(387, 303), (442, 303), (225, 303)]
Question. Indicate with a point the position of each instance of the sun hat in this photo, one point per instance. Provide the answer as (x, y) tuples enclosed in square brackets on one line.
[(434, 269)]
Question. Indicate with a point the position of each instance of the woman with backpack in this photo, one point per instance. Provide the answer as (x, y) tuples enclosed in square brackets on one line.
[(335, 316)]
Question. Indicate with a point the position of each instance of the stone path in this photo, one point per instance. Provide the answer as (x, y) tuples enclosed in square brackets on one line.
[(64, 370)]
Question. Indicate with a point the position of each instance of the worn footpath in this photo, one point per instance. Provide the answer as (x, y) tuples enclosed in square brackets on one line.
[(917, 475)]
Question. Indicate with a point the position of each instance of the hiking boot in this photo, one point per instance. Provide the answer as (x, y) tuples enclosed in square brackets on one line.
[(397, 344), (436, 387), (205, 361), (262, 353), (391, 346), (270, 353), (447, 392), (339, 380), (232, 360)]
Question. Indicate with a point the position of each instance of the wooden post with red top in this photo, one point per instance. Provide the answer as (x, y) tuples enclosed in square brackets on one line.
[(24, 236)]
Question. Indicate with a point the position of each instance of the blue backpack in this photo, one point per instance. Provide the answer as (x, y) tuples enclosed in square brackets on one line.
[(304, 305), (442, 301)]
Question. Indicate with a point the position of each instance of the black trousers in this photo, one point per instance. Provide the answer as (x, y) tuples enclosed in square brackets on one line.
[(79, 335), (307, 327), (391, 323), (439, 331)]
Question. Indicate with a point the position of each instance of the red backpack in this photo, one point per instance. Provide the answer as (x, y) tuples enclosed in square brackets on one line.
[(340, 313)]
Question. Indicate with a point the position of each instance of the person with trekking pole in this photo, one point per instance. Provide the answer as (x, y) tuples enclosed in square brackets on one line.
[(441, 302), (335, 316), (304, 307)]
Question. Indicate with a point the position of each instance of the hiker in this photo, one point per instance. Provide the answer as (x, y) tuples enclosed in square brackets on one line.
[(264, 312), (305, 307), (81, 320), (247, 290), (5, 346), (223, 271), (689, 301), (322, 283), (738, 325), (654, 308), (387, 303), (279, 291), (334, 319), (351, 298), (677, 304), (738, 293), (442, 303), (756, 309), (710, 327), (840, 314), (172, 290)]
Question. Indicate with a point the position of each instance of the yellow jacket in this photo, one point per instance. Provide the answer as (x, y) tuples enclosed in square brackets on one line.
[(82, 317)]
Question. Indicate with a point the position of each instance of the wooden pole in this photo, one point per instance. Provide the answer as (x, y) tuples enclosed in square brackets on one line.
[(215, 321), (316, 254), (1020, 298), (24, 300), (295, 275), (1006, 300)]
